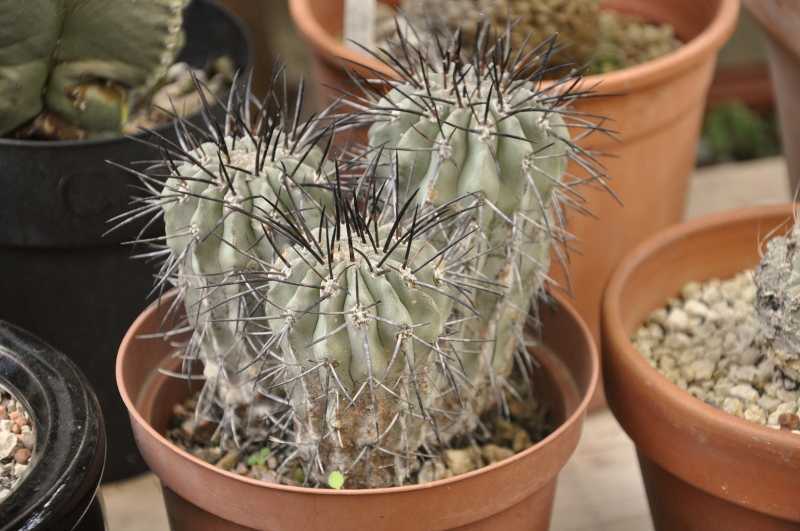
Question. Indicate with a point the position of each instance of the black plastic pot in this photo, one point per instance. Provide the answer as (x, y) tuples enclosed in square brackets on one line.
[(59, 277), (59, 488)]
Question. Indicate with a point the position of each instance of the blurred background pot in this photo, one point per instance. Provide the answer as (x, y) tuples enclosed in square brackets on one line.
[(780, 22), (658, 111), (62, 279), (59, 487), (703, 469), (514, 494)]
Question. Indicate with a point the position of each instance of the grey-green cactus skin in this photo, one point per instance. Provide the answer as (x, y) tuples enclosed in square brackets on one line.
[(219, 208), (777, 302), (87, 61), (504, 151), (360, 342)]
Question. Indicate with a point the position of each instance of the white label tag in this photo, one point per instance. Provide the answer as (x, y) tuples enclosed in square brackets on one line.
[(359, 24)]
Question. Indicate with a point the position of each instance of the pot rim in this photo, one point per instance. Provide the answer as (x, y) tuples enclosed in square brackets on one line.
[(709, 40), (695, 410), (573, 418)]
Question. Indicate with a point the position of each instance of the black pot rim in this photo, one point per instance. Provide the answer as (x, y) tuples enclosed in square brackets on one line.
[(70, 447)]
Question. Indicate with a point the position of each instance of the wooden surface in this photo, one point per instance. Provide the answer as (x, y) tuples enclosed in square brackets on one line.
[(600, 489)]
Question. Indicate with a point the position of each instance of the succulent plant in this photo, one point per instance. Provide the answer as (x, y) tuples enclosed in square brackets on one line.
[(225, 202), (485, 132), (777, 302), (77, 68), (355, 314)]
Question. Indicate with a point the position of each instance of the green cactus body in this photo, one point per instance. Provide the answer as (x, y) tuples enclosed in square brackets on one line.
[(359, 341), (507, 158), (217, 225), (777, 302), (88, 61)]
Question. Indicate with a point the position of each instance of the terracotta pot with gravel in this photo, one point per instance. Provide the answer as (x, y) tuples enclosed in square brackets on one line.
[(703, 467), (779, 21), (514, 494)]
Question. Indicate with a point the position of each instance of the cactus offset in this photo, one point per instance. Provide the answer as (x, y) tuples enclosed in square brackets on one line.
[(360, 335), (84, 64), (486, 130), (224, 205)]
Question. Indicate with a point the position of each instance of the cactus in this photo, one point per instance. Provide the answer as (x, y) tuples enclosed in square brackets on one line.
[(362, 323), (357, 320), (487, 131), (777, 302), (81, 66), (224, 204)]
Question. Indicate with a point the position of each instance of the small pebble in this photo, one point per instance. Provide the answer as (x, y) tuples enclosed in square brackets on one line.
[(460, 461), (493, 453), (789, 421)]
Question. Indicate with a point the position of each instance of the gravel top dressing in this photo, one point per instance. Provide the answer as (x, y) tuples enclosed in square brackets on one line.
[(16, 442), (497, 439), (707, 344)]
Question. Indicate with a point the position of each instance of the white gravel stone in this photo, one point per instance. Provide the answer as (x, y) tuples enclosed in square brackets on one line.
[(9, 443), (658, 317), (692, 291), (703, 369), (745, 393), (768, 403), (785, 395), (711, 295), (695, 308), (733, 406), (677, 320), (6, 425), (755, 414), (19, 470)]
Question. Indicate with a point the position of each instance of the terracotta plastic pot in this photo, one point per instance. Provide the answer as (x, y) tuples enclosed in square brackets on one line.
[(514, 494), (658, 120), (703, 469), (780, 20)]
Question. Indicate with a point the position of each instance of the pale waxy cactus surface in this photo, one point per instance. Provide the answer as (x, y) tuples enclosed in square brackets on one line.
[(83, 63)]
